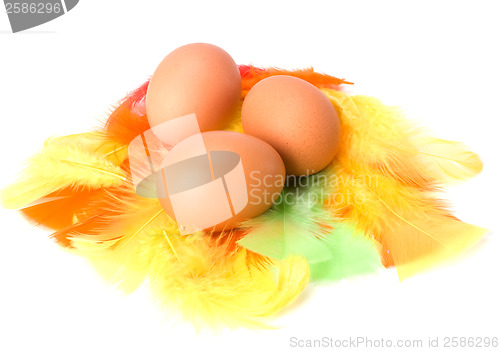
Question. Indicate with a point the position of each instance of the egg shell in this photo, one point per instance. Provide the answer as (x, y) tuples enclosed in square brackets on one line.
[(263, 168), (195, 78), (297, 119)]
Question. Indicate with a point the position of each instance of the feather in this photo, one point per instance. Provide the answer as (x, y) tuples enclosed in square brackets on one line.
[(71, 211), (98, 210), (411, 223), (215, 287), (298, 225), (251, 75), (98, 143), (63, 162), (376, 135), (448, 161), (114, 247), (72, 185), (419, 241), (209, 279), (129, 119), (388, 175), (234, 124), (84, 164), (58, 209), (351, 254)]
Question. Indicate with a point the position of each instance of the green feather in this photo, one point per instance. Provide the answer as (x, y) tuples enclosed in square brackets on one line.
[(350, 254), (297, 224)]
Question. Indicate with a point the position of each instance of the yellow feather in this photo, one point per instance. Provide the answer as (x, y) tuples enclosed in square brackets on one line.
[(411, 223), (98, 143), (209, 281), (385, 180), (81, 160), (212, 287), (376, 135), (235, 124), (418, 241), (448, 161)]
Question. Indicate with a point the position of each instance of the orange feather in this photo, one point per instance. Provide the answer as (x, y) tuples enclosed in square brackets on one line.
[(251, 75), (129, 119)]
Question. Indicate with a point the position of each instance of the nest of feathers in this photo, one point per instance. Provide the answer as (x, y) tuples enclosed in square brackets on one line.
[(80, 187)]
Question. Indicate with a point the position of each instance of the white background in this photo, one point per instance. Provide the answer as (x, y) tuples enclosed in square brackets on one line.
[(438, 60)]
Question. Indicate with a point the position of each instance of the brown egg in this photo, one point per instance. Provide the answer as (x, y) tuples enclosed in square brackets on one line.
[(297, 119), (195, 78), (215, 180)]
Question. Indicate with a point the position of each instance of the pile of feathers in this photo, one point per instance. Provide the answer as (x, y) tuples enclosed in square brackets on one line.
[(375, 206)]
